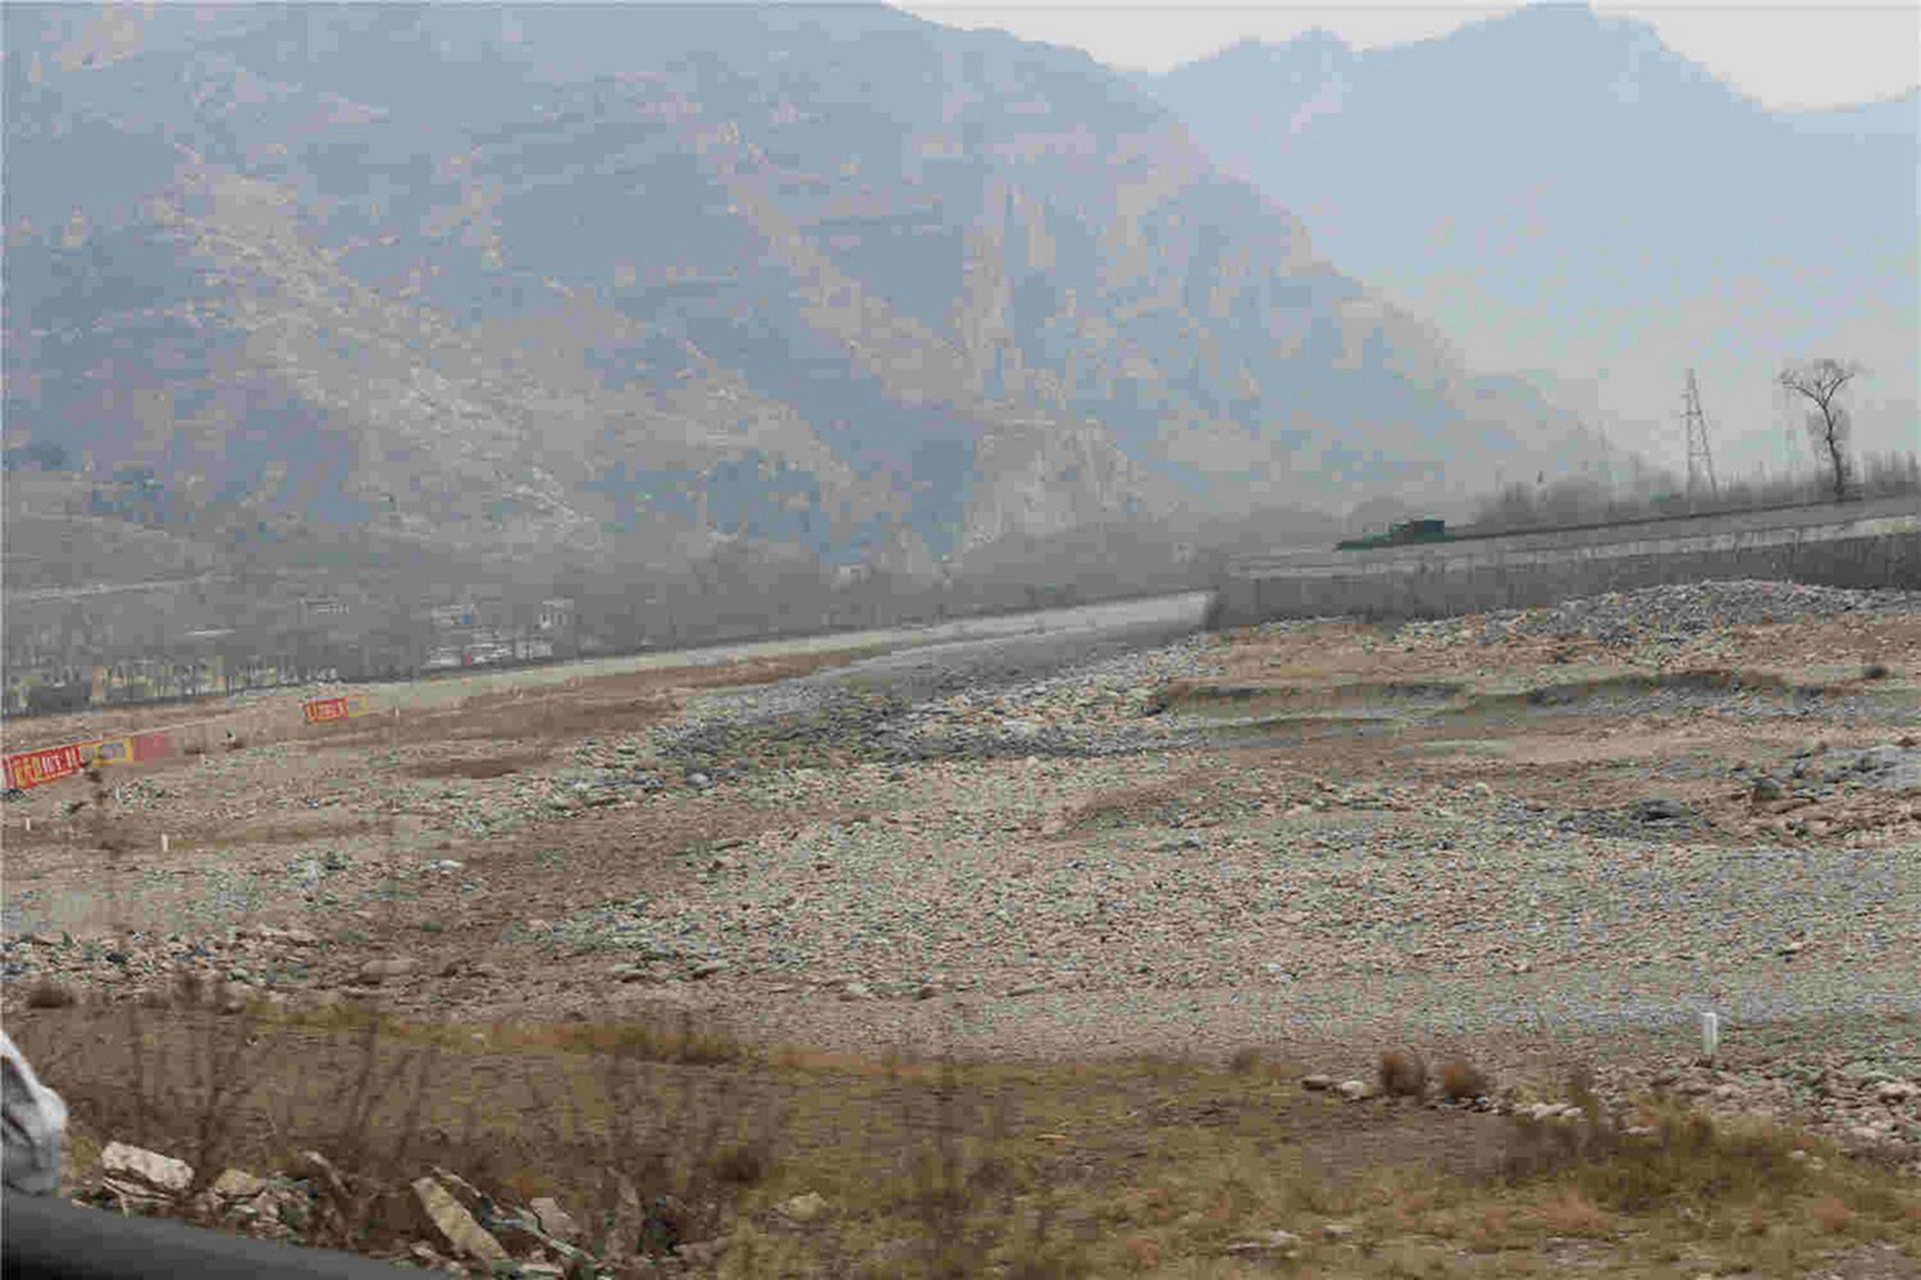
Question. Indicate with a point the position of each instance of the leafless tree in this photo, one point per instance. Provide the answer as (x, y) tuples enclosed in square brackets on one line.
[(1822, 382)]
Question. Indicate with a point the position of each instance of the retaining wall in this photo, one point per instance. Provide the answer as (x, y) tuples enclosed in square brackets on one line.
[(1859, 545)]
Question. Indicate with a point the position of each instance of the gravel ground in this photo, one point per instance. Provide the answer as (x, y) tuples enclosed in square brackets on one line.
[(1286, 891), (1670, 613), (1525, 832)]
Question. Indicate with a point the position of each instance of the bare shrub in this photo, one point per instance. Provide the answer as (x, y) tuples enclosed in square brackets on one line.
[(1581, 1092), (745, 1163), (1833, 1213), (1403, 1074), (1572, 1214), (1460, 1079)]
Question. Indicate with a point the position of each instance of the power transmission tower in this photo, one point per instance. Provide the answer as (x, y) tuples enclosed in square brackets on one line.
[(1700, 461)]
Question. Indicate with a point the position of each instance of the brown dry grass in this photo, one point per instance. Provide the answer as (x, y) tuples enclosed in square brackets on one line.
[(283, 832), (1833, 1214), (485, 767), (1402, 1074), (930, 1167), (1569, 1213), (1189, 794), (1461, 1079), (562, 711)]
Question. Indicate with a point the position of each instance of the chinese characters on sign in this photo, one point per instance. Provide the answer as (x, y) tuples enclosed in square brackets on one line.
[(31, 768)]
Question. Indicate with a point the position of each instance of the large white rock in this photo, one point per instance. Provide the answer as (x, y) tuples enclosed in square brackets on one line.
[(455, 1224), (138, 1172), (803, 1208), (556, 1221)]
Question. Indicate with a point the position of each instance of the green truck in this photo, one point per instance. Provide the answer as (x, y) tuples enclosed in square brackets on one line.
[(1407, 533)]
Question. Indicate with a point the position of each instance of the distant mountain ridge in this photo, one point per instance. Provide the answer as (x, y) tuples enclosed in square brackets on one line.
[(642, 285), (1562, 193), (1896, 117)]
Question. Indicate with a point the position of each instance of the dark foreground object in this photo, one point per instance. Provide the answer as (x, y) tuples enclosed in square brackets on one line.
[(45, 1236)]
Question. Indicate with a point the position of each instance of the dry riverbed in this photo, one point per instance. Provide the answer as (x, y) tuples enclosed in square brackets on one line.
[(1533, 840)]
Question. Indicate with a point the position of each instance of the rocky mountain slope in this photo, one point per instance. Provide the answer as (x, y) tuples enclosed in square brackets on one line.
[(1563, 194), (638, 283)]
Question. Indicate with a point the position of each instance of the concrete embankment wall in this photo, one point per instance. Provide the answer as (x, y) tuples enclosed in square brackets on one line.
[(1859, 545)]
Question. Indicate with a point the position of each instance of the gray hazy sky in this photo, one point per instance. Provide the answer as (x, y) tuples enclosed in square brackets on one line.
[(1784, 56)]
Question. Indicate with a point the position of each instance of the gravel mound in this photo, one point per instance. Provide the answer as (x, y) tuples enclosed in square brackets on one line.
[(1693, 608), (933, 704)]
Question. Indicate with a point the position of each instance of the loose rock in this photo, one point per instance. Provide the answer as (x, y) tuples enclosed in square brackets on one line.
[(455, 1224), (141, 1174), (803, 1208), (554, 1220), (374, 972)]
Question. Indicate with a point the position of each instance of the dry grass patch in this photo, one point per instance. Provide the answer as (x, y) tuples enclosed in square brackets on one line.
[(1172, 801), (1833, 1214), (1490, 1230), (928, 1167), (485, 767), (1569, 1213), (1403, 1074), (1460, 1080)]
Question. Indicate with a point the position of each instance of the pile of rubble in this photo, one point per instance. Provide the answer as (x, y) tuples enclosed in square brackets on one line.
[(1696, 608), (1659, 615), (1864, 1108), (461, 1230)]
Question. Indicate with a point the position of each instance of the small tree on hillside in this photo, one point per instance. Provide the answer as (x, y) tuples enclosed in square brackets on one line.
[(1821, 382)]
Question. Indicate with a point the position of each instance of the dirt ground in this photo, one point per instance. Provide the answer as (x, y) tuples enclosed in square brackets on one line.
[(466, 864)]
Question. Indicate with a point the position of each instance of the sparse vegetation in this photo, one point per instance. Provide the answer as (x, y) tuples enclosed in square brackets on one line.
[(1821, 382), (1460, 1079), (664, 1134), (1402, 1074), (911, 1167), (1584, 500)]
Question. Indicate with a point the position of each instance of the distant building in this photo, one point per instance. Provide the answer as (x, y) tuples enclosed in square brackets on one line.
[(473, 635)]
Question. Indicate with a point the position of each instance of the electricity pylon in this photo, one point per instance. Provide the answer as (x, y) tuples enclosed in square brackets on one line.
[(1700, 461)]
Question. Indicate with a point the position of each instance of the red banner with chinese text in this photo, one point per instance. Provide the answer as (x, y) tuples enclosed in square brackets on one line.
[(32, 768), (321, 710)]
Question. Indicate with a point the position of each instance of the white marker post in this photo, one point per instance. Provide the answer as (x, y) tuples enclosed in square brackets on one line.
[(1710, 1035), (165, 844)]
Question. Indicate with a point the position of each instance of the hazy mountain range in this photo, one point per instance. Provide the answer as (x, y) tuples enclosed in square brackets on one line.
[(1570, 200), (641, 284)]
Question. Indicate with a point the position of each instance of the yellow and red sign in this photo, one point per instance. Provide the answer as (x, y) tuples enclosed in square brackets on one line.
[(107, 751), (49, 764), (323, 710)]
